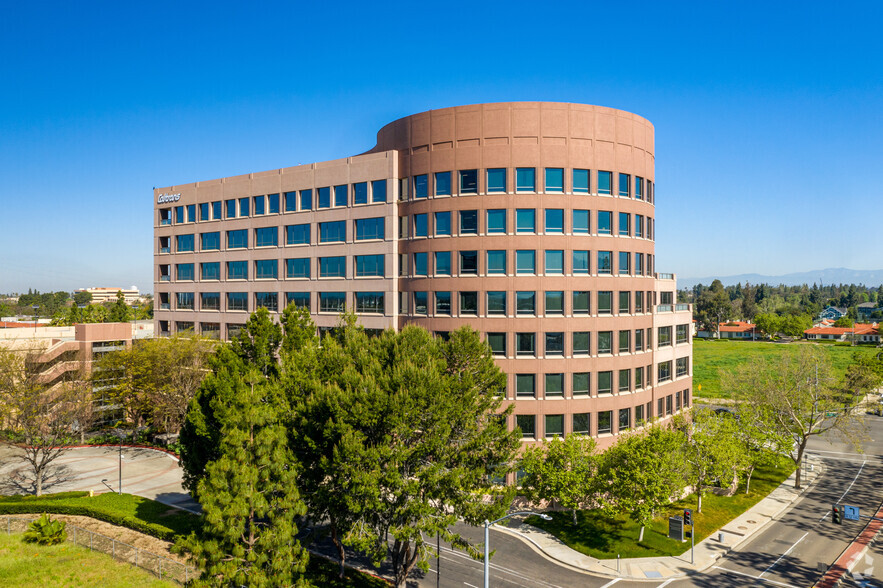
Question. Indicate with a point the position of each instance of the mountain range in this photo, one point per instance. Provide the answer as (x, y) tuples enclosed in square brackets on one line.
[(834, 275)]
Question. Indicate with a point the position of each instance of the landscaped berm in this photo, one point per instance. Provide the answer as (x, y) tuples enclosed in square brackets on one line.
[(604, 537)]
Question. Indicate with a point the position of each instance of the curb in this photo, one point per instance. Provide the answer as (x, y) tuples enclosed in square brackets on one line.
[(168, 452), (846, 561)]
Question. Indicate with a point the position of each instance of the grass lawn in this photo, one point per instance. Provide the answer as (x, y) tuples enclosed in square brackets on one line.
[(712, 357), (604, 537), (67, 565)]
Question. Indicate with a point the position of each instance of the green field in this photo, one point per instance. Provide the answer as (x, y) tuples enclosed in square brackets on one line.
[(67, 565), (605, 537), (710, 358)]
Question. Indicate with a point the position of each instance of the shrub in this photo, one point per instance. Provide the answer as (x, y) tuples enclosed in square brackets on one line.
[(45, 531)]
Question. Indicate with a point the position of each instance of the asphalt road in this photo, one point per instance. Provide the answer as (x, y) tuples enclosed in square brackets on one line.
[(792, 552)]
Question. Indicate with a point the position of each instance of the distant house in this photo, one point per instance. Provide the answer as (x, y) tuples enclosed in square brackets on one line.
[(833, 313), (862, 332), (734, 330), (866, 309)]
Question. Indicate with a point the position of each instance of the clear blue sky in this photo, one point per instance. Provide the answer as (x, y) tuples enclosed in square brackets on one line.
[(769, 134)]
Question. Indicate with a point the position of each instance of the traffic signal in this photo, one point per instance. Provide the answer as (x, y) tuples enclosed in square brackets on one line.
[(837, 515), (688, 516)]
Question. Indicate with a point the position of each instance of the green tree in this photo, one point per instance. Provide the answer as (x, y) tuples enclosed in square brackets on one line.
[(249, 497), (82, 298), (760, 443), (562, 470), (844, 322), (412, 440), (709, 449), (801, 399), (643, 472), (712, 307), (769, 324), (258, 343), (119, 312)]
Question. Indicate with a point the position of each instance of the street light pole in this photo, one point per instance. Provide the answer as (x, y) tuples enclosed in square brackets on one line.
[(487, 535)]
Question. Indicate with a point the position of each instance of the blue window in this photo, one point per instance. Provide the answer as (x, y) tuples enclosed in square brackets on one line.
[(420, 264), (266, 269), (237, 270), (496, 221), (324, 197), (605, 262), (341, 195), (184, 243), (306, 200), (443, 183), (243, 207), (371, 302), (231, 208), (525, 179), (421, 186), (297, 234), (442, 223), (332, 301), (297, 268), (468, 222), (554, 179), (291, 202), (421, 225), (273, 203), (269, 300), (210, 301), (639, 225), (266, 237), (580, 262), (443, 303), (624, 259), (360, 193), (421, 302), (496, 302), (624, 227), (216, 210), (185, 300), (469, 181), (191, 213), (203, 211), (580, 222), (525, 261), (332, 267), (554, 262), (179, 215), (605, 182), (605, 221), (624, 185), (554, 220), (496, 180), (555, 305), (378, 191), (580, 181), (237, 239), (370, 266), (210, 271), (237, 300), (442, 263), (184, 272), (259, 205), (639, 187), (496, 262), (469, 263), (298, 299), (332, 232), (525, 303), (525, 220), (370, 228)]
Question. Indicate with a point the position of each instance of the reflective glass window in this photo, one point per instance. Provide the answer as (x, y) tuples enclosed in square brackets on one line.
[(496, 221), (421, 186), (468, 262), (605, 182), (468, 222), (420, 268), (243, 207), (581, 304), (605, 262), (496, 262), (360, 193), (443, 183), (526, 303), (443, 263), (332, 267), (370, 265), (421, 225), (370, 302), (266, 237), (297, 268), (443, 223), (469, 303), (554, 179), (259, 205), (525, 179), (210, 271), (443, 303), (378, 191), (469, 181), (265, 269), (306, 200), (554, 220), (332, 232), (184, 243), (237, 239), (370, 228), (580, 222), (297, 234), (580, 262), (580, 181), (525, 220), (273, 203), (332, 301), (554, 262), (341, 195), (324, 196), (624, 185), (496, 180), (184, 272), (496, 303), (237, 270)]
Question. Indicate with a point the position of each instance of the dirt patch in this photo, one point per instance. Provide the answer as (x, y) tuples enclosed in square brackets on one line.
[(123, 534)]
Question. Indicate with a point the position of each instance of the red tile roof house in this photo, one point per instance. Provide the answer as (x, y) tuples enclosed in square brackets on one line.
[(735, 330), (863, 332)]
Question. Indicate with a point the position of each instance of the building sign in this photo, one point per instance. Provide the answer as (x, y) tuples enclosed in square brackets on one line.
[(163, 198)]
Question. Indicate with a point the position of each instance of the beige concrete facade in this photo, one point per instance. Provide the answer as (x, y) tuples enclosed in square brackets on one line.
[(599, 346)]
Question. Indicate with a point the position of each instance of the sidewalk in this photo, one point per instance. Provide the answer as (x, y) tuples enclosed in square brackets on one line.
[(706, 552)]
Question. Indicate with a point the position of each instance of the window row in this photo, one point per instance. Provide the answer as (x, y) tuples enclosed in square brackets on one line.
[(549, 221), (524, 262), (372, 266), (336, 302), (296, 201), (550, 180), (604, 422), (554, 344)]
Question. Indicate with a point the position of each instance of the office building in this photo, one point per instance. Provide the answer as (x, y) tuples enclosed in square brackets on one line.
[(532, 222)]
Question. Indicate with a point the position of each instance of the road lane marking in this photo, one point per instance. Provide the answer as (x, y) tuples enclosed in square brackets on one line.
[(773, 582), (814, 451), (495, 567), (667, 582), (611, 582), (857, 474), (784, 554), (470, 585)]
